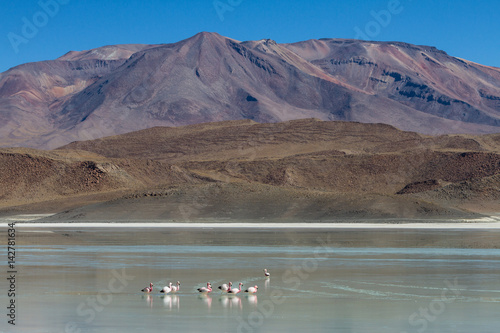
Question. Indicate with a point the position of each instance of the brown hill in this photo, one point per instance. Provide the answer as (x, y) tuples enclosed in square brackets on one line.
[(302, 169), (66, 177), (209, 78)]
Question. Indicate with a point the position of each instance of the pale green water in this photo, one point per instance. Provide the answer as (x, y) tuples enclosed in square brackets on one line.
[(90, 282)]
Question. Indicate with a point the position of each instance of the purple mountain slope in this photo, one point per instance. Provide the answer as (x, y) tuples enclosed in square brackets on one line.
[(208, 77)]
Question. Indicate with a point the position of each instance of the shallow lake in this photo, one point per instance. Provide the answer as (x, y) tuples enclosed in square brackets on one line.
[(89, 280)]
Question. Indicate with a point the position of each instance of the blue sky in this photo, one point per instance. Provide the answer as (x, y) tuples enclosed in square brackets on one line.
[(34, 30)]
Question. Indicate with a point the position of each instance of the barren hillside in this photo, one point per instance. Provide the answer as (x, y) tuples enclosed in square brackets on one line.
[(305, 169)]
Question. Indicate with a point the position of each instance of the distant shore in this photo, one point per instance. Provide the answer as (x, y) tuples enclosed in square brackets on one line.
[(464, 225), (482, 233), (29, 221)]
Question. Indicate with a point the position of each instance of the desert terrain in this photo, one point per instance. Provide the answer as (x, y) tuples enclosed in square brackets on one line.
[(218, 129), (299, 170)]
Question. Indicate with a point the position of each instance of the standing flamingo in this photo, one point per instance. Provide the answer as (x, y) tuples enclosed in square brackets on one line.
[(225, 287), (148, 289), (177, 287), (207, 289), (252, 290), (235, 291), (266, 273), (166, 289)]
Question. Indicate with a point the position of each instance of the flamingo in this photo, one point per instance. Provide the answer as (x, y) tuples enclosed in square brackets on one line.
[(148, 289), (166, 289), (207, 289), (235, 291), (177, 287), (226, 287), (252, 290), (266, 273)]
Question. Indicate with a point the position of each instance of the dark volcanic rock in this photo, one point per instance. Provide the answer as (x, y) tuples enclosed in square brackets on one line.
[(416, 187)]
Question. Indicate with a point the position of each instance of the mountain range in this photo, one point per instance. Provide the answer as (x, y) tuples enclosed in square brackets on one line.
[(208, 78)]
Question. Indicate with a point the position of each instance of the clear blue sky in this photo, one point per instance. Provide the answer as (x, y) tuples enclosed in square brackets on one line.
[(31, 31)]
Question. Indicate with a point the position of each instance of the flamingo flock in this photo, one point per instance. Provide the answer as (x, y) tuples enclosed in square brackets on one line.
[(235, 291), (225, 288), (171, 288)]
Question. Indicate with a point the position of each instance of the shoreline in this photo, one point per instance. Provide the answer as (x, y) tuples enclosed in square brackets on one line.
[(421, 226), (481, 234), (29, 221)]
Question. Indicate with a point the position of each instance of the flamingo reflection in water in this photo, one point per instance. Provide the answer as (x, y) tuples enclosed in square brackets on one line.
[(205, 298), (230, 302), (204, 294), (149, 300), (252, 299), (171, 302)]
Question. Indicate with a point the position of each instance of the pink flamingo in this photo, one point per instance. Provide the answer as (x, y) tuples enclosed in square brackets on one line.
[(226, 287), (235, 291), (177, 287), (266, 273), (148, 289), (166, 289), (252, 290), (207, 289)]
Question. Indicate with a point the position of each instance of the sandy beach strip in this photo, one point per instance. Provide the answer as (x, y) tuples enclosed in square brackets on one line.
[(30, 221), (464, 225)]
